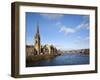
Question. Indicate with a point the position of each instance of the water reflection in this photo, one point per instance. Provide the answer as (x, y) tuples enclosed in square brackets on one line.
[(65, 59)]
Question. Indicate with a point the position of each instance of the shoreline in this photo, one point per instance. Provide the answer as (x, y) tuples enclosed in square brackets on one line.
[(76, 53), (35, 58)]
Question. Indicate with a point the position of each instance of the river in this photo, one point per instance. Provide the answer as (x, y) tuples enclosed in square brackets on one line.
[(65, 59)]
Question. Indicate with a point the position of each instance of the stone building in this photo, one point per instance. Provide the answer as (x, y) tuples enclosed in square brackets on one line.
[(37, 48)]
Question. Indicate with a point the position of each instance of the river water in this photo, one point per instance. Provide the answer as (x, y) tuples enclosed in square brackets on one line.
[(65, 59)]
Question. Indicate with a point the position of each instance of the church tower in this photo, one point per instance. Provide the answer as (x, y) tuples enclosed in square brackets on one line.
[(37, 41)]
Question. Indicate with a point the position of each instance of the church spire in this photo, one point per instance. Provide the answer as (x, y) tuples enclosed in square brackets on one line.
[(37, 31), (37, 40), (37, 28)]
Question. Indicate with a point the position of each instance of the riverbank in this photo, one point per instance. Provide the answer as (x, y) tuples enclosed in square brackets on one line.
[(35, 58)]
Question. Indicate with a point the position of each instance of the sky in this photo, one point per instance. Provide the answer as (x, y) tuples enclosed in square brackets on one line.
[(64, 31)]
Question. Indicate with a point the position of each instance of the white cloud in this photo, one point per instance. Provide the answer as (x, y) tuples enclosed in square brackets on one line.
[(83, 25), (58, 24), (67, 30), (52, 16)]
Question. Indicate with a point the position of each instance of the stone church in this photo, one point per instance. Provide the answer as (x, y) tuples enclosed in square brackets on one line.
[(37, 48)]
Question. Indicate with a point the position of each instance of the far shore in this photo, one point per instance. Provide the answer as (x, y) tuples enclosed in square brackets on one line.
[(79, 51)]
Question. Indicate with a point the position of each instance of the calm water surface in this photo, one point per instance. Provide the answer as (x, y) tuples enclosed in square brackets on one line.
[(66, 59)]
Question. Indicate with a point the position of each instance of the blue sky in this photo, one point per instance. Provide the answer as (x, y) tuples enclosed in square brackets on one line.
[(64, 31)]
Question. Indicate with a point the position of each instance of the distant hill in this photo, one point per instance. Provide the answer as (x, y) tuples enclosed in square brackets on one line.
[(83, 51)]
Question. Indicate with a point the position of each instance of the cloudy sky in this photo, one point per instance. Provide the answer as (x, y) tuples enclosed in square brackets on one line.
[(65, 31)]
